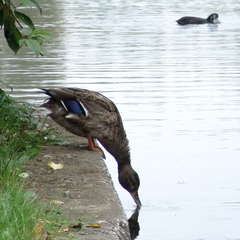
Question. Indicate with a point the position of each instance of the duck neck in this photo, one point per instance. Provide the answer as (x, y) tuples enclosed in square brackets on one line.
[(121, 155), (123, 160), (120, 150)]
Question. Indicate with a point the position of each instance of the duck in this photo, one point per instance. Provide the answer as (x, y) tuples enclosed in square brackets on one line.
[(91, 115), (213, 18)]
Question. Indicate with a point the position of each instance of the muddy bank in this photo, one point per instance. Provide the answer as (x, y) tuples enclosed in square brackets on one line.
[(84, 185)]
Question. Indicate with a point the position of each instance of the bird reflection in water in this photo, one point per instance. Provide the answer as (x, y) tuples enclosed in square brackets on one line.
[(133, 224)]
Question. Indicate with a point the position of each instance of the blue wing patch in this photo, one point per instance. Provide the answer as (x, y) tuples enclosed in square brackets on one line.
[(73, 106)]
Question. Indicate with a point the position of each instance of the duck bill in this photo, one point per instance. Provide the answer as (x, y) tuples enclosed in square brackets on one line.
[(136, 198)]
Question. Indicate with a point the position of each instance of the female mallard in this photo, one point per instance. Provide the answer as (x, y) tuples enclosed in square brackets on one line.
[(91, 115), (213, 18)]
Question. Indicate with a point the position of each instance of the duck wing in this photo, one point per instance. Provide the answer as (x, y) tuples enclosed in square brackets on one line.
[(82, 111)]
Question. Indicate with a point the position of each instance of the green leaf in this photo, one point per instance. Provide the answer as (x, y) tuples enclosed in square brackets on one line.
[(12, 35), (25, 19), (1, 16), (48, 38), (33, 45), (26, 3), (31, 3), (45, 52), (37, 5), (41, 36), (34, 39), (21, 42), (29, 154), (33, 36), (26, 31)]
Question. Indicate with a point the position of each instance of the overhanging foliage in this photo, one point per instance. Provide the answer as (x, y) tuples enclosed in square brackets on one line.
[(17, 35)]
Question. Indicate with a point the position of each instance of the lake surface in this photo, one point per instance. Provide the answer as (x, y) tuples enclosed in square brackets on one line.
[(178, 91)]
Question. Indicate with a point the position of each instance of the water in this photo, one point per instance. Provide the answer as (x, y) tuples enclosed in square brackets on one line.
[(178, 91)]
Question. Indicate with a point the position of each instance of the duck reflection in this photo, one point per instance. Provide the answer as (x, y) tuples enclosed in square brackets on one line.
[(133, 224)]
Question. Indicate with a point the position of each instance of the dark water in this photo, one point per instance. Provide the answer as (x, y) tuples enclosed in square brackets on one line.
[(178, 90)]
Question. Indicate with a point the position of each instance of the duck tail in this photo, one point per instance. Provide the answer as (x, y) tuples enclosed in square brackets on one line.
[(46, 91)]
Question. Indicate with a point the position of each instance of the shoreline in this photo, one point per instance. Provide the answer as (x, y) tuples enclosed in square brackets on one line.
[(84, 186)]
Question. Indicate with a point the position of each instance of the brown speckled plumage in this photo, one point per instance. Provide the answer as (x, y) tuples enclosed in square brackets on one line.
[(100, 120)]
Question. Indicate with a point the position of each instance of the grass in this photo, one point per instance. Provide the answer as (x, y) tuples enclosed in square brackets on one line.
[(22, 215), (19, 214)]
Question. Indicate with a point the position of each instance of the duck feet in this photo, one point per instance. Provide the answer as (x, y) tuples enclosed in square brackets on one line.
[(93, 147)]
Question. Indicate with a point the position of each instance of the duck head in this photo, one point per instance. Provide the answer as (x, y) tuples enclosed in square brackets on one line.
[(213, 18), (129, 180)]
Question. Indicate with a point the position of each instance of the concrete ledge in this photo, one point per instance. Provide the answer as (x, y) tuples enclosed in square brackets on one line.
[(84, 185)]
